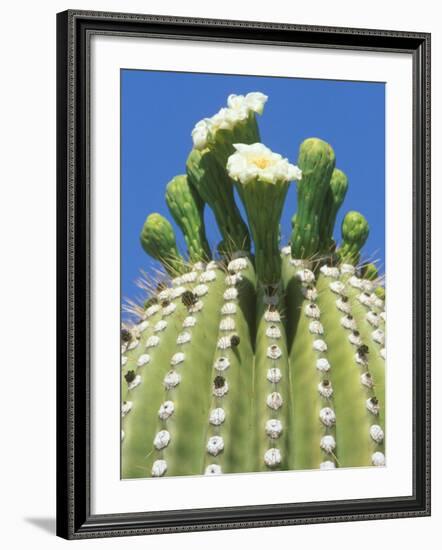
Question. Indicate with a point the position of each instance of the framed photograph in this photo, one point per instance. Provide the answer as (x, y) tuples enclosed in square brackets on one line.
[(243, 274)]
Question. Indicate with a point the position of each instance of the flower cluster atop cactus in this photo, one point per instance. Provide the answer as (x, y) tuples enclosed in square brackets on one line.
[(264, 355)]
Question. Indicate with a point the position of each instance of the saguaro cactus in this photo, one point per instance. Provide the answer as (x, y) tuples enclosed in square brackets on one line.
[(264, 358)]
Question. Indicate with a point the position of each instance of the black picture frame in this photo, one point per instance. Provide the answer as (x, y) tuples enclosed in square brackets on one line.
[(74, 518)]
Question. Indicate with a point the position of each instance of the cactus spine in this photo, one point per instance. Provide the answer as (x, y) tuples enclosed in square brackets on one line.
[(265, 358)]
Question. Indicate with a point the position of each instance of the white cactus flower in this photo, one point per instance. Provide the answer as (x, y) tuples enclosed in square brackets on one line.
[(355, 338), (356, 282), (378, 336), (274, 375), (238, 110), (230, 294), (228, 323), (378, 459), (221, 390), (239, 264), (258, 162), (177, 292), (133, 344), (315, 327), (337, 287), (327, 465), (286, 250), (320, 345), (229, 308), (222, 363), (207, 276), (184, 338), (151, 310), (272, 316), (232, 280), (123, 360), (159, 468), (327, 417), (177, 358), (273, 331), (348, 322), (348, 269), (383, 353), (377, 433), (328, 443), (372, 405), (143, 326), (224, 342), (367, 380), (160, 326), (328, 271), (273, 428), (322, 364), (217, 416), (274, 400), (152, 341), (272, 457), (372, 318), (169, 309), (126, 407), (135, 382), (305, 276), (190, 277), (325, 389), (171, 380), (343, 305), (310, 293), (253, 101), (161, 440), (213, 470), (274, 352), (189, 322), (166, 410), (201, 290), (312, 311), (215, 445)]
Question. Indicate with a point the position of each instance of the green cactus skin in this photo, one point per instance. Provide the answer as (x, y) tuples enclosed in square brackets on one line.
[(355, 230), (270, 318), (264, 203), (333, 200), (317, 161), (306, 427), (237, 428), (212, 183), (186, 450), (353, 442), (187, 210), (139, 424), (158, 240)]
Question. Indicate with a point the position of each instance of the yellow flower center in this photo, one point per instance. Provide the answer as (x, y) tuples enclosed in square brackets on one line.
[(260, 162)]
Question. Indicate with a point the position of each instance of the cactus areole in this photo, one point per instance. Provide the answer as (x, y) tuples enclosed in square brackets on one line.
[(257, 357)]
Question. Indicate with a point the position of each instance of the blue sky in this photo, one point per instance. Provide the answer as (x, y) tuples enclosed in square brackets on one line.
[(159, 110)]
